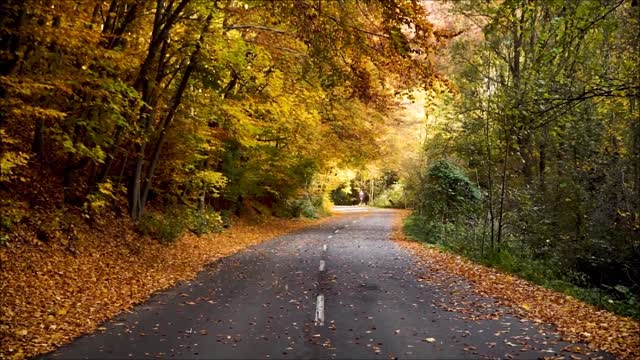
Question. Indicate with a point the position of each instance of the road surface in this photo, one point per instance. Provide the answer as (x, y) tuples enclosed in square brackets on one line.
[(340, 290)]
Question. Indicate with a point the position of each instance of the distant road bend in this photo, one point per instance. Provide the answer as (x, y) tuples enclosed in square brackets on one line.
[(339, 290)]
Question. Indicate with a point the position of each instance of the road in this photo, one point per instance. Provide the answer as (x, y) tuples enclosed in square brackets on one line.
[(340, 290)]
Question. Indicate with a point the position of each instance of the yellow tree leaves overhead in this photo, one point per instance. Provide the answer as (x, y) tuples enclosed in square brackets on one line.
[(144, 93)]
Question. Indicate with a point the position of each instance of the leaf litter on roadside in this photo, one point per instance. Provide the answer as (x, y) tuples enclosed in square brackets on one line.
[(51, 296), (575, 320)]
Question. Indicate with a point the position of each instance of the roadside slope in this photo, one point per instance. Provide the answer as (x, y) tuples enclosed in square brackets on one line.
[(575, 320)]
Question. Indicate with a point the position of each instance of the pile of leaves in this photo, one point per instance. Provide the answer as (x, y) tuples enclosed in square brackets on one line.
[(575, 320), (53, 293)]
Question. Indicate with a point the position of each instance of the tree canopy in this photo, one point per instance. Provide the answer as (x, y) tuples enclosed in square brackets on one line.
[(194, 101), (543, 115)]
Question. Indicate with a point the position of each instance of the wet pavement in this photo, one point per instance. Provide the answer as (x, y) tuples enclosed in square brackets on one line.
[(340, 290)]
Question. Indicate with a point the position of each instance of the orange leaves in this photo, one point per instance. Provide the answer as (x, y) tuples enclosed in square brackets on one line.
[(575, 320), (49, 296)]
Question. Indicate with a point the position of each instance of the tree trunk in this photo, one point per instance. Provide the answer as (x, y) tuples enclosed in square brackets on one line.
[(503, 190), (109, 21), (136, 183), (165, 18), (162, 24), (635, 110), (487, 130), (142, 193), (9, 46), (490, 180), (525, 145), (11, 20), (542, 161), (119, 18), (38, 139)]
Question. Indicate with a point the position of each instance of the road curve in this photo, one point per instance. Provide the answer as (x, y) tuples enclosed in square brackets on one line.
[(339, 290)]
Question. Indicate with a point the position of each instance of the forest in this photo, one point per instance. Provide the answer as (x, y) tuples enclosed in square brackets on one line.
[(510, 128), (528, 157), (114, 106), (532, 160)]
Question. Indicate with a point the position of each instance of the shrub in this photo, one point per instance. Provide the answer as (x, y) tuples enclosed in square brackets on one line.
[(226, 218), (346, 194), (301, 207), (204, 221), (447, 193), (98, 200), (11, 213), (393, 196), (164, 227), (309, 206), (419, 228)]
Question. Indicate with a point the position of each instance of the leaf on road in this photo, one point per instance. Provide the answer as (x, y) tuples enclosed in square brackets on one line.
[(69, 294)]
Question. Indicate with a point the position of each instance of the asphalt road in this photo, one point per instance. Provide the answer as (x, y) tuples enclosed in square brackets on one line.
[(338, 290)]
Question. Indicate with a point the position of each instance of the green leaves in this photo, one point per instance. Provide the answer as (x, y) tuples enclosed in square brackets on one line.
[(447, 190), (545, 121)]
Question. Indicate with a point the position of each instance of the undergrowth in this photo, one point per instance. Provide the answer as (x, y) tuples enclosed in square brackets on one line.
[(310, 206), (544, 272), (169, 225)]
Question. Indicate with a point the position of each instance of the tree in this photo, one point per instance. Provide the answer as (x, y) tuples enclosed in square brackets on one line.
[(541, 110)]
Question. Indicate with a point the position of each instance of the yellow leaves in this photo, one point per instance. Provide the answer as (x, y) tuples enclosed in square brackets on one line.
[(27, 111), (19, 354), (526, 306), (211, 178), (10, 161)]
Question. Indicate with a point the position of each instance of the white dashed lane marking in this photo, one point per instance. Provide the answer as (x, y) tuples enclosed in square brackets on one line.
[(320, 310), (324, 247), (322, 265)]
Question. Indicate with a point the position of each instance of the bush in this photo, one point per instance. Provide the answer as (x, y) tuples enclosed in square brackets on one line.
[(346, 194), (454, 236), (164, 227), (393, 197), (301, 207), (447, 194), (420, 229), (11, 213), (204, 221), (311, 207)]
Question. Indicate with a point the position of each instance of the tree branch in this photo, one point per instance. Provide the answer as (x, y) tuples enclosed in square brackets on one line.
[(255, 27)]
